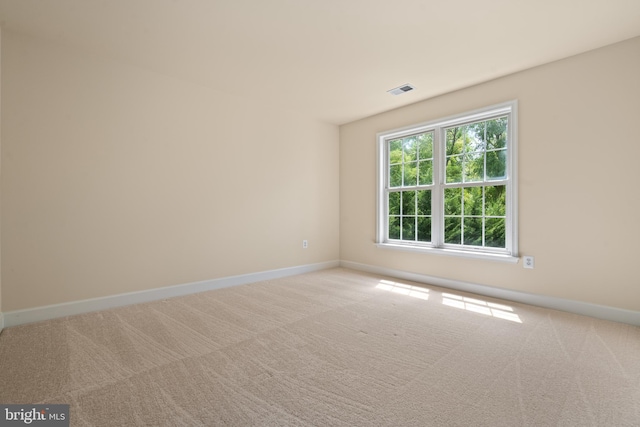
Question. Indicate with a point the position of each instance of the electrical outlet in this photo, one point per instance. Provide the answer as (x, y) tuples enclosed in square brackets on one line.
[(528, 262), (305, 244)]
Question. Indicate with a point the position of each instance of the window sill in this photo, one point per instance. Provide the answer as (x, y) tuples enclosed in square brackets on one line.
[(451, 252)]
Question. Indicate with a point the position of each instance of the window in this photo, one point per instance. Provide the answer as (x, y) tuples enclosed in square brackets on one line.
[(449, 186)]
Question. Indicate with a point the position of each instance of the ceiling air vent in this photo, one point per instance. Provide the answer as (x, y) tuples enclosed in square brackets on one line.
[(402, 89)]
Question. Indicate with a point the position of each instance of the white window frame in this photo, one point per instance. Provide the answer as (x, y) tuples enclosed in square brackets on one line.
[(437, 245)]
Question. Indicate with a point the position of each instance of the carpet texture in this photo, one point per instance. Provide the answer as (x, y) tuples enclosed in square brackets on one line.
[(330, 348)]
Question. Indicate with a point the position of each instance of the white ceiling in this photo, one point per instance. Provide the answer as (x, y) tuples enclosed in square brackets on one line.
[(332, 60)]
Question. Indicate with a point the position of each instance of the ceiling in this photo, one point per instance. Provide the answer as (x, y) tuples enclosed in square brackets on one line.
[(331, 60)]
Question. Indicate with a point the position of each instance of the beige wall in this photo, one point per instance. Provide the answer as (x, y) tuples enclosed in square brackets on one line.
[(579, 154), (1, 318), (116, 179)]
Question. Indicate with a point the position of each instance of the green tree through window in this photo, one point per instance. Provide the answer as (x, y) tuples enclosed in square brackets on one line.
[(475, 210), (409, 198)]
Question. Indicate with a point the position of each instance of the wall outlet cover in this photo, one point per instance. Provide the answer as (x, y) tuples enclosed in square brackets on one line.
[(528, 262)]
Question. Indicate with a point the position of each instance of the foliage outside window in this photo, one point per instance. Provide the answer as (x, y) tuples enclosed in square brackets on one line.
[(449, 184)]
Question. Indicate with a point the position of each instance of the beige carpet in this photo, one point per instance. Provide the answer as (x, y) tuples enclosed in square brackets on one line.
[(331, 348)]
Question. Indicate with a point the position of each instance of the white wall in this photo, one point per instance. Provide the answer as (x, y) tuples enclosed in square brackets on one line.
[(579, 154), (116, 179)]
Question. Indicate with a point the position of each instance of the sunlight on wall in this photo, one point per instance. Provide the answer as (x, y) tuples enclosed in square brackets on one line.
[(401, 288), (479, 306)]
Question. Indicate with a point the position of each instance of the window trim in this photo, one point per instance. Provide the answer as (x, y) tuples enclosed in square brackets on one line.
[(510, 254)]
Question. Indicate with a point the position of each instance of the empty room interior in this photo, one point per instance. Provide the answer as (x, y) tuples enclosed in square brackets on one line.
[(346, 213)]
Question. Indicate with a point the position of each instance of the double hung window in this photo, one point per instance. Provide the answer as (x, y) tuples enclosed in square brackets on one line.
[(450, 185)]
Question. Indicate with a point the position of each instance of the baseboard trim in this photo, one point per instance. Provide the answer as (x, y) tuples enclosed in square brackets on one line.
[(36, 314), (1, 322), (571, 306), (30, 315)]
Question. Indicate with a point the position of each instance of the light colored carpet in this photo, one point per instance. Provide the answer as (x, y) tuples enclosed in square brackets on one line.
[(331, 348)]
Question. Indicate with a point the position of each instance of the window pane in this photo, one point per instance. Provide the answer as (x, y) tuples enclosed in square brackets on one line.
[(424, 202), (454, 141), (394, 227), (473, 231), (473, 201), (497, 133), (453, 201), (395, 151), (408, 203), (452, 230), (495, 233), (495, 200), (425, 172), (473, 137), (411, 174), (454, 169), (408, 228), (474, 167), (497, 164), (410, 146), (424, 229), (425, 146), (395, 175), (394, 203)]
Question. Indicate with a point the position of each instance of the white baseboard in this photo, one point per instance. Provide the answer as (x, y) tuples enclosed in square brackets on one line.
[(571, 306), (1, 322), (19, 317)]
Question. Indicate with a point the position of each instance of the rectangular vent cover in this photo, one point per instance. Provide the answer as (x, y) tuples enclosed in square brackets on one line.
[(401, 89)]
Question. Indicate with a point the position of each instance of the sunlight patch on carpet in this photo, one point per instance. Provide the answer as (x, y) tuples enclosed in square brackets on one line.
[(404, 289), (499, 311)]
